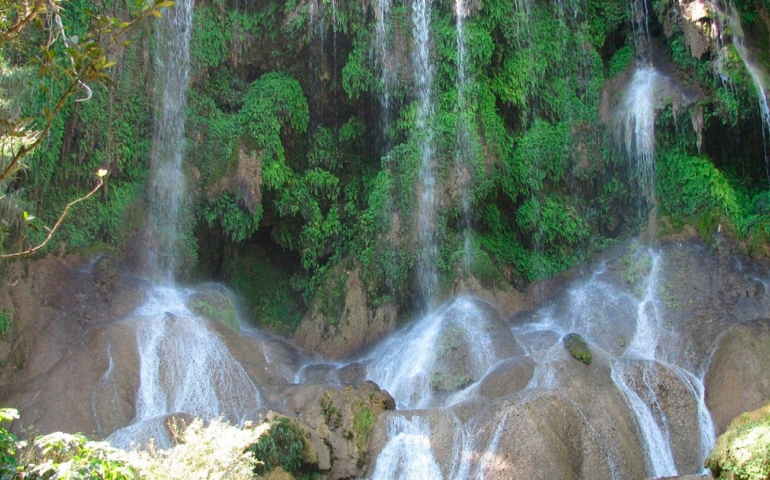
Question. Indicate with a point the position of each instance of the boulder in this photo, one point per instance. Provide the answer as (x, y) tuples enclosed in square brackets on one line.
[(343, 421), (340, 322), (738, 375)]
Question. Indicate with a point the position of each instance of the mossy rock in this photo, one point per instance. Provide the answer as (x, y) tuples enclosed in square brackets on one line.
[(215, 304), (578, 347), (743, 451)]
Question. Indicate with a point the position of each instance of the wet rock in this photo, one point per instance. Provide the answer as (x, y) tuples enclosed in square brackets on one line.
[(738, 375), (509, 376), (577, 347), (343, 420), (544, 434), (472, 337), (669, 398), (501, 295), (214, 302), (340, 322)]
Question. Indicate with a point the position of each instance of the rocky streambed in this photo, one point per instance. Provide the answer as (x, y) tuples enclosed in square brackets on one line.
[(485, 386)]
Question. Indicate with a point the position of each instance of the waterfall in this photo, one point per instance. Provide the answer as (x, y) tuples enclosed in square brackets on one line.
[(463, 150), (645, 355), (167, 183), (408, 454), (636, 114), (637, 117), (184, 367), (427, 202), (757, 75), (383, 55), (408, 363)]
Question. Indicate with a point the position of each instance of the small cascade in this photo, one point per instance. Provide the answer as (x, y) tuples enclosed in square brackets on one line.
[(636, 113), (641, 354), (167, 182), (637, 127), (463, 149), (184, 368), (427, 202), (757, 75), (410, 364), (636, 374), (408, 454), (383, 56)]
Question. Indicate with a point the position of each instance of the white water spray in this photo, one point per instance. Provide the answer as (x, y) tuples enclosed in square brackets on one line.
[(408, 454), (427, 198), (637, 126), (167, 183)]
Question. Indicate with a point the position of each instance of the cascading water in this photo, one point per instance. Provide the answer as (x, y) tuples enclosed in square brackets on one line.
[(637, 117), (184, 367), (757, 75), (427, 201), (408, 454), (167, 182), (463, 151), (645, 352), (408, 364)]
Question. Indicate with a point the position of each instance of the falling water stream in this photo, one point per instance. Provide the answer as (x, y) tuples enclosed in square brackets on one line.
[(757, 75), (184, 366), (427, 198), (463, 150)]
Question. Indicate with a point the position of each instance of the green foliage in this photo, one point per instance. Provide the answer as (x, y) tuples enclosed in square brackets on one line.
[(552, 223), (61, 455), (743, 451), (5, 323), (621, 60), (689, 185), (273, 102), (282, 446), (8, 444), (210, 37), (235, 221)]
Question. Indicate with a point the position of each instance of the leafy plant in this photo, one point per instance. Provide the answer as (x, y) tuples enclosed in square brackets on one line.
[(282, 446), (8, 444)]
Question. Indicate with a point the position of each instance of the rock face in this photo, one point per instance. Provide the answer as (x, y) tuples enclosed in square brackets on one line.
[(61, 316), (341, 322), (738, 376), (342, 422)]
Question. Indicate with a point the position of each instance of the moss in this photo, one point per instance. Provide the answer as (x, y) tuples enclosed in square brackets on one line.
[(743, 451), (578, 347), (363, 421), (218, 307)]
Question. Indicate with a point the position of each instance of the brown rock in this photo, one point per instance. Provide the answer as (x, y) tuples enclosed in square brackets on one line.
[(343, 420), (738, 375), (340, 323)]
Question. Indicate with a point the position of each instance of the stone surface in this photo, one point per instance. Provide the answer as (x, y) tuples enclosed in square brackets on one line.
[(337, 419), (340, 322), (738, 375)]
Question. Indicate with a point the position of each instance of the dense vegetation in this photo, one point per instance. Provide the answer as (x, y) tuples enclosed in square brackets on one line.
[(216, 450), (297, 163)]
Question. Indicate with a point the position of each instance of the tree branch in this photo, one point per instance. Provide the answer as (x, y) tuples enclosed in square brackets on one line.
[(31, 250), (16, 29)]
